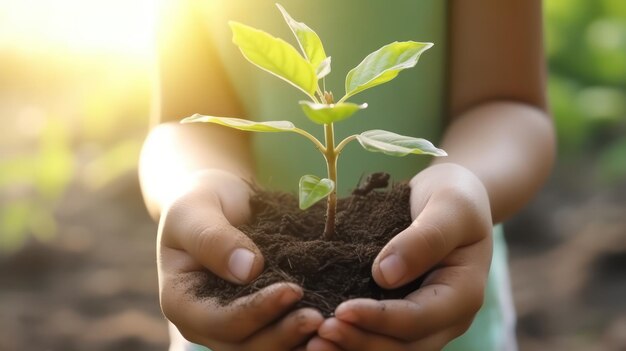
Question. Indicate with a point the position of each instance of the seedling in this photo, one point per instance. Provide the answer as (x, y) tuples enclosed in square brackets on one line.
[(304, 71)]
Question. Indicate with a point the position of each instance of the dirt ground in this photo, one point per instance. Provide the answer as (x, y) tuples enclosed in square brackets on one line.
[(568, 264), (94, 287)]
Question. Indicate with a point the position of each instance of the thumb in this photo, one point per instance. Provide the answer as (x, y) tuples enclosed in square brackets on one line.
[(441, 227), (201, 229)]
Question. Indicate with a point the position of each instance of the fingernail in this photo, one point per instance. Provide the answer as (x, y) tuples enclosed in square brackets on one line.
[(289, 297), (240, 263), (329, 330), (346, 315), (393, 269)]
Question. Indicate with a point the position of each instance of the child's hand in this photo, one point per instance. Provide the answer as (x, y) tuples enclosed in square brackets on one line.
[(452, 233), (196, 233)]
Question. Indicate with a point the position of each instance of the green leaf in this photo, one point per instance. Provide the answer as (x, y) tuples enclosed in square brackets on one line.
[(323, 69), (383, 65), (396, 145), (309, 41), (275, 56), (243, 124), (326, 114), (313, 189)]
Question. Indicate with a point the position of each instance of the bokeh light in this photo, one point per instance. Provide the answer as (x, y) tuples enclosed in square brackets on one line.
[(74, 103), (78, 27)]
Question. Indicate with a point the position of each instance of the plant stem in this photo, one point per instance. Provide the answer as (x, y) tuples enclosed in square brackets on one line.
[(344, 142), (344, 98), (331, 164), (313, 139)]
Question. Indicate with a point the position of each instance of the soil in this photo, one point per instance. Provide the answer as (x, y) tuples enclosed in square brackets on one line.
[(329, 271), (94, 287)]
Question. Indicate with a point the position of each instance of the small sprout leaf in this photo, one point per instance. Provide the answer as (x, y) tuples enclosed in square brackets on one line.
[(313, 189), (383, 65), (243, 124), (323, 69), (326, 114), (275, 56), (309, 41), (397, 145)]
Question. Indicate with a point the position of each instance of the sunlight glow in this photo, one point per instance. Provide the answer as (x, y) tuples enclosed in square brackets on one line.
[(120, 27)]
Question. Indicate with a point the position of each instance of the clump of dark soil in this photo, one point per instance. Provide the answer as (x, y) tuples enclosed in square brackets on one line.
[(329, 271)]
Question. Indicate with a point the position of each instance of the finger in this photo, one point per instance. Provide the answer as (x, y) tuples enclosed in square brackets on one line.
[(319, 344), (438, 341), (349, 338), (450, 296), (209, 320), (448, 220), (289, 332), (344, 336), (199, 227)]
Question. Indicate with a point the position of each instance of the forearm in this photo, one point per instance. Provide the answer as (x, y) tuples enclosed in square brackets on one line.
[(191, 79), (508, 145), (173, 152)]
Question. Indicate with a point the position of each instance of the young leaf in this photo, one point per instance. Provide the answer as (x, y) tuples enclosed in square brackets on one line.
[(383, 65), (396, 145), (323, 69), (309, 41), (243, 124), (251, 126), (326, 114), (313, 189), (275, 56)]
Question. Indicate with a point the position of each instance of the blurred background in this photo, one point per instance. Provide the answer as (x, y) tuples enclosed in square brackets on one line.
[(77, 247)]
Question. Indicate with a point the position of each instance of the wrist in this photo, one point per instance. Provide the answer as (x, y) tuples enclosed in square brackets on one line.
[(453, 182), (223, 188), (445, 174)]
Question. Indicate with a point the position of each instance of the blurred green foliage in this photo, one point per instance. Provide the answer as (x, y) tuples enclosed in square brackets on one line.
[(586, 48), (82, 129), (32, 183)]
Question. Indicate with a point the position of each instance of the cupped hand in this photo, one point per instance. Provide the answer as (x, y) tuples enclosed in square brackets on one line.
[(451, 234), (197, 233)]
